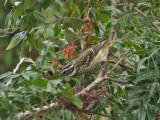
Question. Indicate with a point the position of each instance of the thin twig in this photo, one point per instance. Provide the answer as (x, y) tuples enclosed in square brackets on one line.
[(117, 80), (122, 65), (15, 70), (118, 62), (144, 15), (88, 5), (92, 112)]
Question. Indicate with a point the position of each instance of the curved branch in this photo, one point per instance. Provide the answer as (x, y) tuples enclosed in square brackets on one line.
[(91, 112), (15, 70), (38, 110)]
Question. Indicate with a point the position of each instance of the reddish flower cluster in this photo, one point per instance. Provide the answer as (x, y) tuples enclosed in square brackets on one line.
[(86, 98)]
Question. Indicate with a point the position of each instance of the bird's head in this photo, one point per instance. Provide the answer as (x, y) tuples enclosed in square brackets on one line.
[(68, 70)]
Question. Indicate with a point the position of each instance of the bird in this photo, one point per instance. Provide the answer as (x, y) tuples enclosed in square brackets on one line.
[(90, 58)]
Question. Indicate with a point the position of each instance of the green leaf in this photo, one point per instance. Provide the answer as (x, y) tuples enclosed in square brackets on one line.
[(127, 109), (52, 86), (140, 52), (69, 35), (28, 4), (38, 45), (10, 77), (112, 22), (75, 100), (39, 82), (150, 113), (5, 75), (25, 76), (142, 111), (156, 43), (40, 17), (3, 87), (125, 6), (8, 20), (140, 21), (76, 80), (39, 32), (17, 12), (140, 64), (16, 39), (68, 90), (135, 89), (57, 29), (70, 96), (113, 10), (23, 45), (119, 92), (49, 32), (131, 7)]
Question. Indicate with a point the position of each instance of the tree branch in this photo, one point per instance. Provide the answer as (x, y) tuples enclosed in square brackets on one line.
[(89, 3), (116, 80), (15, 70), (118, 62), (122, 65), (38, 110), (91, 112)]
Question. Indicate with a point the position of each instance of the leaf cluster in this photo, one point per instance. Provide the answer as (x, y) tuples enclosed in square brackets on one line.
[(49, 26)]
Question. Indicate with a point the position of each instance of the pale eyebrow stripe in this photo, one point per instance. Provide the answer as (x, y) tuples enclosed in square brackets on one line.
[(67, 68)]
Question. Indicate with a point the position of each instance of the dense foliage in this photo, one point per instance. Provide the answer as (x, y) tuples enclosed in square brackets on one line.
[(57, 29)]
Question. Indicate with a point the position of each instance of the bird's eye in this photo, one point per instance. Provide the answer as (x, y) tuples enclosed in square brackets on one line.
[(64, 72)]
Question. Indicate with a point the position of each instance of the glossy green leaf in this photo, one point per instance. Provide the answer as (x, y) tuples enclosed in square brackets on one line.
[(16, 39), (8, 20), (39, 82), (41, 17), (69, 95), (3, 87), (39, 32), (69, 35), (112, 22), (150, 113), (113, 10), (5, 75), (140, 64), (24, 45), (25, 76), (140, 22), (135, 89), (131, 7), (17, 12), (57, 29), (28, 4), (142, 111), (49, 32), (75, 100)]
